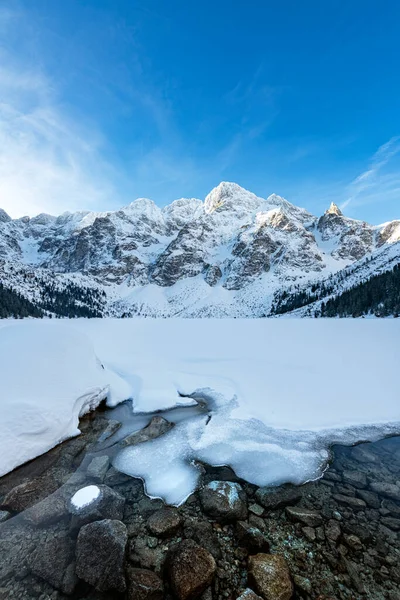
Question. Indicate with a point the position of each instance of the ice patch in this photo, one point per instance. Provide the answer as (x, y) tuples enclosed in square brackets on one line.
[(85, 496)]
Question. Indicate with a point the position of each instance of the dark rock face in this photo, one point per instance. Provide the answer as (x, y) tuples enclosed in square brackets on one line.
[(190, 569), (53, 561), (269, 575), (165, 522), (144, 585), (212, 275), (224, 500), (100, 554)]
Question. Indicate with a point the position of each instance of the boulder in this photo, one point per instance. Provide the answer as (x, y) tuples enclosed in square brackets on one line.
[(333, 530), (350, 501), (164, 522), (143, 584), (53, 561), (273, 498), (158, 426), (98, 468), (224, 500), (190, 569), (100, 554), (371, 499), (269, 575), (311, 518), (251, 537), (48, 511), (108, 505), (26, 494), (390, 490), (357, 479)]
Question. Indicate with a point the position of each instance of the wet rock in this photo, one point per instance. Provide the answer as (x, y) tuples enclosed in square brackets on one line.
[(256, 509), (203, 533), (248, 594), (144, 585), (115, 477), (332, 530), (164, 522), (224, 500), (354, 503), (270, 577), (108, 505), (309, 533), (353, 542), (111, 428), (391, 522), (364, 454), (190, 569), (158, 426), (48, 511), (392, 508), (53, 561), (26, 494), (311, 518), (4, 515), (100, 552), (390, 490), (98, 468), (251, 538), (142, 555), (303, 584), (353, 570), (357, 479), (371, 499), (273, 498)]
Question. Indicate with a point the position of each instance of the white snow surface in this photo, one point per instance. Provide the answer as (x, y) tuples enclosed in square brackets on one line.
[(50, 376), (85, 496), (279, 392)]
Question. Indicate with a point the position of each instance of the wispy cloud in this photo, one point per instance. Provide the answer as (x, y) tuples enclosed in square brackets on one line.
[(375, 183), (48, 162)]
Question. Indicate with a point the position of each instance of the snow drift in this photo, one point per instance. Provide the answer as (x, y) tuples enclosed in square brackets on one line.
[(50, 377)]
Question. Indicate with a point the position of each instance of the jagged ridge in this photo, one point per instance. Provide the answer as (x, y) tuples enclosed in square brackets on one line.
[(226, 256)]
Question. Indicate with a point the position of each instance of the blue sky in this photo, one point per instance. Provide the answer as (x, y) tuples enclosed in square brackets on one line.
[(103, 101)]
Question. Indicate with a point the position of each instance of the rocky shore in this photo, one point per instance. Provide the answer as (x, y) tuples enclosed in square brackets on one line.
[(335, 538)]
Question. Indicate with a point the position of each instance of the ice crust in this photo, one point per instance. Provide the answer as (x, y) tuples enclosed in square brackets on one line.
[(278, 392)]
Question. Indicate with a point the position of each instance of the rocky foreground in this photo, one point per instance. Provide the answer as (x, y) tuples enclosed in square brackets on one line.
[(336, 538)]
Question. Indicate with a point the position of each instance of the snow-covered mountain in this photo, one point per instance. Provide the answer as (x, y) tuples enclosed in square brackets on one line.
[(226, 256)]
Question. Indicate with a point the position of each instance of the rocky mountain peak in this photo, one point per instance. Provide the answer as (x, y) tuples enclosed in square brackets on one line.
[(334, 210), (230, 195), (4, 217)]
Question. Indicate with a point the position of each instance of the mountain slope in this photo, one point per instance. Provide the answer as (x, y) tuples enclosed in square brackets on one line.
[(227, 256)]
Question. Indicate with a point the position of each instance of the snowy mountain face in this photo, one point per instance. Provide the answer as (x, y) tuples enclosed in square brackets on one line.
[(225, 256)]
